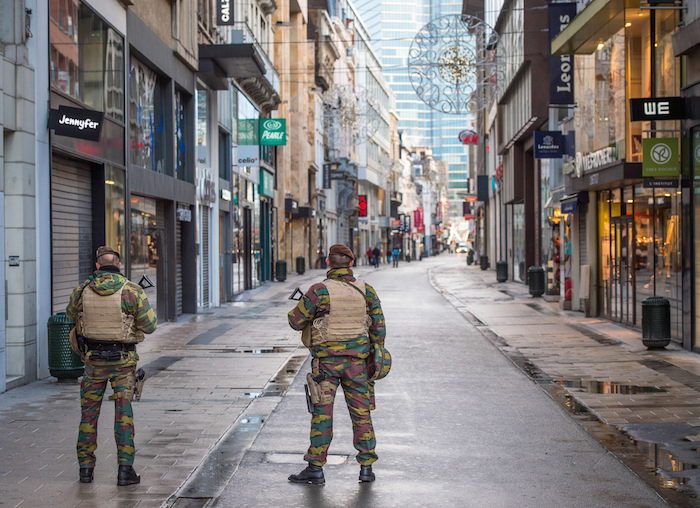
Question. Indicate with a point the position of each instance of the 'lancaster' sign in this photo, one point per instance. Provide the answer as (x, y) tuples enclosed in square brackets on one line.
[(76, 122)]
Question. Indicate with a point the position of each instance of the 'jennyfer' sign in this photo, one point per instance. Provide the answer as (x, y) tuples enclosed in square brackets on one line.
[(76, 122), (273, 131), (561, 67)]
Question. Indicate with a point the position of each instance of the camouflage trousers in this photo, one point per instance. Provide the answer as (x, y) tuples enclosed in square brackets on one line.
[(92, 389), (351, 373)]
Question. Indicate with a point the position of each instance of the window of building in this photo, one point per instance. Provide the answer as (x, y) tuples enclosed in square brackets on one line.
[(224, 155), (147, 141), (599, 89), (115, 232), (87, 57), (202, 126), (181, 135)]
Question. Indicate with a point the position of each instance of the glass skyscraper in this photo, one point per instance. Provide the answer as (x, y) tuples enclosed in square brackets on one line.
[(392, 25)]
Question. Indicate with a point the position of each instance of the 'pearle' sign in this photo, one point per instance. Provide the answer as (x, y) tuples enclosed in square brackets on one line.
[(76, 122)]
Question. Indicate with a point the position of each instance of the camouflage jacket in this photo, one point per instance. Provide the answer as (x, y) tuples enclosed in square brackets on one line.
[(316, 302), (134, 299)]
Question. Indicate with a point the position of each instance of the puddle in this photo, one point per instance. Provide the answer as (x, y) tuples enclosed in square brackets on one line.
[(673, 469), (264, 350), (609, 387), (293, 458)]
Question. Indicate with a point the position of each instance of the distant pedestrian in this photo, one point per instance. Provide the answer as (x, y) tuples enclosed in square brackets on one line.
[(348, 350), (111, 315), (370, 256), (377, 256), (395, 256)]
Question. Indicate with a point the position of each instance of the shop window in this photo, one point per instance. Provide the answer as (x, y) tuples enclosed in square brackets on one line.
[(599, 119), (224, 155), (146, 244), (202, 127), (87, 57), (181, 135), (147, 140), (115, 233)]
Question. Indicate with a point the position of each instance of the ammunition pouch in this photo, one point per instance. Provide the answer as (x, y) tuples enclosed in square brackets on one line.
[(124, 387), (105, 351)]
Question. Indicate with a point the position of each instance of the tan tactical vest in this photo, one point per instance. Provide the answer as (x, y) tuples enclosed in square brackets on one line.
[(102, 318), (347, 318)]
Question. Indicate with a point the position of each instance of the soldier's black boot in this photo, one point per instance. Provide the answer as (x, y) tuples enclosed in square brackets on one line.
[(312, 474), (127, 476), (366, 474), (86, 474)]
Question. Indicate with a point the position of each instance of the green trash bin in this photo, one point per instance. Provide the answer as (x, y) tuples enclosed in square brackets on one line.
[(63, 362)]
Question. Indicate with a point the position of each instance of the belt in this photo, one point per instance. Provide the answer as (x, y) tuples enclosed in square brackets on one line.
[(105, 345)]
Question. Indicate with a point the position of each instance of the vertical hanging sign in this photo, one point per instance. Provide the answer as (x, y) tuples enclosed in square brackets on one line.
[(224, 12), (561, 67)]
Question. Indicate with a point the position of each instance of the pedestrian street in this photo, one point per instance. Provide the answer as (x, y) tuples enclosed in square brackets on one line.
[(459, 420)]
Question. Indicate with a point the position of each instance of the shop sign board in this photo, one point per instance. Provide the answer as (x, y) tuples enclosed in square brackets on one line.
[(561, 67), (249, 155), (588, 161), (660, 157), (183, 214), (660, 183), (76, 122), (224, 12), (248, 131), (225, 195), (362, 205), (549, 144), (326, 176), (267, 184), (273, 131), (468, 137), (657, 108)]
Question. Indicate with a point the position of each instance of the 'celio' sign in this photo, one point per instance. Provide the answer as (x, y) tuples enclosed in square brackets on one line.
[(76, 122), (224, 13)]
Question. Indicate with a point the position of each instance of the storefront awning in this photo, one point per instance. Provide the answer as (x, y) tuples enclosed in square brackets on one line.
[(596, 22), (570, 202)]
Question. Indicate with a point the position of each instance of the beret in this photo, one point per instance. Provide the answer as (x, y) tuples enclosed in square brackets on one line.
[(339, 248)]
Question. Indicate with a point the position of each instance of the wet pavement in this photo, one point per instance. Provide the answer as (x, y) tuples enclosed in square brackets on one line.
[(457, 424), (204, 372), (494, 399)]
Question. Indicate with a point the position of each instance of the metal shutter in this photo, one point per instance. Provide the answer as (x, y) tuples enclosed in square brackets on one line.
[(205, 256), (178, 268), (582, 243), (71, 228)]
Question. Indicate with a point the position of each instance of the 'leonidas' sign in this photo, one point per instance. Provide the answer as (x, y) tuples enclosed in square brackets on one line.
[(76, 122), (273, 131)]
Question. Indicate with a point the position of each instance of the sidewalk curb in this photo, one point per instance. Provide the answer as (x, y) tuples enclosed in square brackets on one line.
[(224, 457)]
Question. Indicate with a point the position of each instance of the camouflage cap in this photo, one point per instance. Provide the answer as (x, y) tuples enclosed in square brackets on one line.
[(339, 248), (104, 250)]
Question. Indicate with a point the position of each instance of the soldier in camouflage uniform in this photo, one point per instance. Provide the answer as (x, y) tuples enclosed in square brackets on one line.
[(111, 315), (341, 362)]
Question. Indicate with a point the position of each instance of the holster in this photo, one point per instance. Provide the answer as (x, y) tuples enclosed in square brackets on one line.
[(320, 389)]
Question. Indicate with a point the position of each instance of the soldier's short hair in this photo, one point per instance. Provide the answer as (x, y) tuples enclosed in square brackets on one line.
[(339, 260), (107, 256)]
